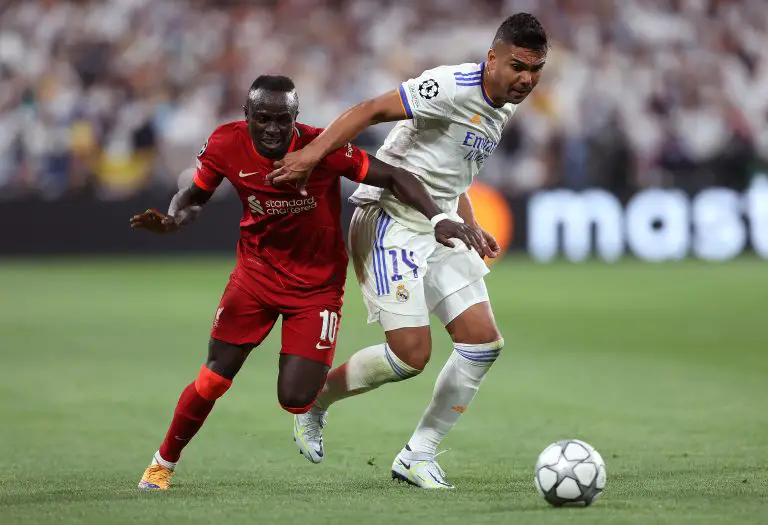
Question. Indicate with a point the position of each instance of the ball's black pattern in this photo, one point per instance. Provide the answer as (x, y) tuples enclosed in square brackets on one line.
[(576, 464)]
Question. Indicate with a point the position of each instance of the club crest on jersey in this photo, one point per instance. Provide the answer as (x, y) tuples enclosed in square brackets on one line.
[(429, 89), (218, 315), (202, 150), (402, 294)]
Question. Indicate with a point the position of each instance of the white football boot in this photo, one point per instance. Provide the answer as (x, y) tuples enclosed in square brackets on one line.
[(308, 433), (419, 470)]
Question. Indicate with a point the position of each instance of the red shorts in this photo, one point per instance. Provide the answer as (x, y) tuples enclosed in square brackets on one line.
[(253, 300)]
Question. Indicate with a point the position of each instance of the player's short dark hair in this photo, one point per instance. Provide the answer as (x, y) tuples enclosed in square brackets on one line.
[(273, 83), (523, 30)]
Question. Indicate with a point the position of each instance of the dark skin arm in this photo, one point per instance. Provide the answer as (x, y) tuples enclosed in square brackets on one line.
[(467, 214), (296, 166), (184, 208), (408, 190)]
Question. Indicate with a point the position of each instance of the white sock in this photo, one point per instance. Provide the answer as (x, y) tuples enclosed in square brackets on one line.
[(369, 368), (455, 388), (157, 459)]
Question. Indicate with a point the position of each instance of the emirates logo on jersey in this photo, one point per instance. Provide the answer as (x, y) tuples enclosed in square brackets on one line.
[(479, 146)]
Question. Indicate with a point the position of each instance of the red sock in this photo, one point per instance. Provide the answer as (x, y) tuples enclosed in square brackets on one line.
[(195, 403), (190, 413)]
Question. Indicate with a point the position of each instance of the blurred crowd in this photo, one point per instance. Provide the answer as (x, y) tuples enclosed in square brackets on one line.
[(114, 97)]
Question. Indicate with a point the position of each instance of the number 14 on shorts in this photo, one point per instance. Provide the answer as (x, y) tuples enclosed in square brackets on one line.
[(328, 329)]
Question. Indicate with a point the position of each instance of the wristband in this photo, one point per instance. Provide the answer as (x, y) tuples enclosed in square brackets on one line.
[(437, 218)]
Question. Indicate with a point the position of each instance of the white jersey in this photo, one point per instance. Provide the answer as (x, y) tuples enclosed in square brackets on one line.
[(453, 128)]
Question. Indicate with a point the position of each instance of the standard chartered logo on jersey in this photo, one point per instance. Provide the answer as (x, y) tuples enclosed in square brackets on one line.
[(717, 224), (281, 206)]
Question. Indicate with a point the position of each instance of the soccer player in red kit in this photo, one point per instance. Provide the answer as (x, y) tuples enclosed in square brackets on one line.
[(291, 259)]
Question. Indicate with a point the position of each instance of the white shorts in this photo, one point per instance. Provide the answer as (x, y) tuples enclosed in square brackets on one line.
[(405, 275)]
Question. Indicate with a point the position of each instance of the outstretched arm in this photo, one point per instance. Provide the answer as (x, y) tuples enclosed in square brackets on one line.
[(297, 166), (184, 208), (430, 96), (408, 190), (384, 108)]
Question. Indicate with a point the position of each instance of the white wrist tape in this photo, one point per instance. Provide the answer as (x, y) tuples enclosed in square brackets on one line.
[(437, 218)]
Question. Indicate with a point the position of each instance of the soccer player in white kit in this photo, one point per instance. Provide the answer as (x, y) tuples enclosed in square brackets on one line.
[(450, 120)]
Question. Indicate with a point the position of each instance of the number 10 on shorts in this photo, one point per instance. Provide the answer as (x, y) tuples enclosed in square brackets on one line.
[(329, 328)]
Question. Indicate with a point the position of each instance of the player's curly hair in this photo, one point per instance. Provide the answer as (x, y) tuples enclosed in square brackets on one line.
[(523, 30)]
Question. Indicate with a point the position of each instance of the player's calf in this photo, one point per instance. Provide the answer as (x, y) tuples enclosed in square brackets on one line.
[(298, 383), (403, 356), (194, 405), (367, 369), (477, 345)]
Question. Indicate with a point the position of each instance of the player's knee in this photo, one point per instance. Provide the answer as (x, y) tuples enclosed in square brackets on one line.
[(484, 336), (296, 401), (211, 385), (418, 358), (413, 346), (299, 382), (475, 326)]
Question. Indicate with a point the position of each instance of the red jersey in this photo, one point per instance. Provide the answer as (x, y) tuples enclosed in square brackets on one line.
[(299, 237)]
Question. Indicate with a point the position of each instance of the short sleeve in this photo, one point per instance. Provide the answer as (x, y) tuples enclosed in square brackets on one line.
[(210, 163), (430, 95), (348, 161)]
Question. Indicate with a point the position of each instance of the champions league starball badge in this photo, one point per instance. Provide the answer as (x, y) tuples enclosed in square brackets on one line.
[(429, 89)]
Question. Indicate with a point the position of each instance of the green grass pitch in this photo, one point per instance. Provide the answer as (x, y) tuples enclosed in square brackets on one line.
[(663, 368)]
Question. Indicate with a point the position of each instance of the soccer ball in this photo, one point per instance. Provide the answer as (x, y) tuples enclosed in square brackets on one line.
[(570, 472)]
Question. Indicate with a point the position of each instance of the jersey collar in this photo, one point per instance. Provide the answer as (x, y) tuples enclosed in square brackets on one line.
[(482, 88)]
